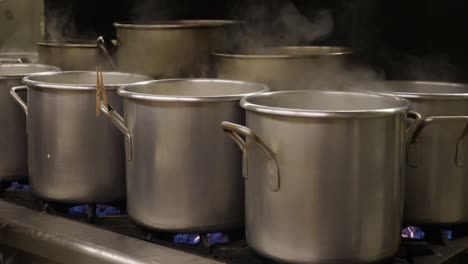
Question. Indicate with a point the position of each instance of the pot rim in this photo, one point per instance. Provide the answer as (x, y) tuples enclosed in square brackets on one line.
[(123, 91), (178, 24), (244, 54), (50, 68), (67, 44), (48, 85), (15, 53), (404, 106), (423, 95)]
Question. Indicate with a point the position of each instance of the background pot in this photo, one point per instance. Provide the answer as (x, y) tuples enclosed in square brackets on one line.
[(19, 57), (168, 49), (73, 156), (437, 164), (72, 56), (286, 68), (182, 173), (13, 150), (324, 174)]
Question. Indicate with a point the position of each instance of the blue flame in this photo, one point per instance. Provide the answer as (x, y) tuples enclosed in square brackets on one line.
[(101, 210), (448, 233), (18, 186), (194, 239), (191, 239), (217, 238), (413, 232)]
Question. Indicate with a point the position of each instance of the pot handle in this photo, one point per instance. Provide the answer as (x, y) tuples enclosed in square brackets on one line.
[(108, 49), (234, 131), (416, 160), (119, 122), (18, 60), (14, 94), (415, 125)]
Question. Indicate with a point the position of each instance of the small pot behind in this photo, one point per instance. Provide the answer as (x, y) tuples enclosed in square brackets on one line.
[(74, 157), (73, 56), (286, 68), (183, 175), (167, 49), (19, 57)]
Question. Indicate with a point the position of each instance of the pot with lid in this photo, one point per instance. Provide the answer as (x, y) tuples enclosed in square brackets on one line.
[(72, 56), (167, 49), (285, 68), (183, 174), (436, 180), (323, 174), (13, 150), (74, 157)]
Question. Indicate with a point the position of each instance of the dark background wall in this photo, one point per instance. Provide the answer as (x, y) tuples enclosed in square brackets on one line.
[(417, 39)]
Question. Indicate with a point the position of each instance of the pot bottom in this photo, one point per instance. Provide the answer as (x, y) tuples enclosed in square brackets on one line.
[(76, 200), (187, 229), (282, 259)]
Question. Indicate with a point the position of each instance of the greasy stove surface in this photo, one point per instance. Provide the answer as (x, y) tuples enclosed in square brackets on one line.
[(148, 247)]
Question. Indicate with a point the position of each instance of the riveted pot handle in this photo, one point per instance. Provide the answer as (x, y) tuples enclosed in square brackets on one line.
[(415, 125), (14, 94), (119, 122), (234, 131), (18, 60), (108, 49), (416, 162)]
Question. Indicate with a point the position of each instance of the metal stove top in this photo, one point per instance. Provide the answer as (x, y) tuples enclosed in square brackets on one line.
[(48, 234)]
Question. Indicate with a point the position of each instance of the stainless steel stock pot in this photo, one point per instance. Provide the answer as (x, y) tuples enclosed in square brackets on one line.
[(324, 174), (286, 68), (183, 174), (13, 147), (437, 167), (74, 157)]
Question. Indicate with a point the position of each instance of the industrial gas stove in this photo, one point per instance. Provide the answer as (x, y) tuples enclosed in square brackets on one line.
[(32, 231)]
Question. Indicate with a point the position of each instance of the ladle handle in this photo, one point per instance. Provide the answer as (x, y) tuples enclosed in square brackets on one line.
[(108, 49), (234, 131)]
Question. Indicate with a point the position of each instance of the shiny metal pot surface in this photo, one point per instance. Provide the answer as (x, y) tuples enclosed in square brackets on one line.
[(74, 157), (13, 147), (72, 56), (437, 166), (168, 49), (183, 174), (286, 68), (19, 57), (324, 174)]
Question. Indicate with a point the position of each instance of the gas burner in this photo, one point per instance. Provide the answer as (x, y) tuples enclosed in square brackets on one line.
[(87, 212), (208, 239)]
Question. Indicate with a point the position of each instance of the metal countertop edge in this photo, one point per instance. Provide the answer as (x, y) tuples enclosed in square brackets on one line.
[(68, 241)]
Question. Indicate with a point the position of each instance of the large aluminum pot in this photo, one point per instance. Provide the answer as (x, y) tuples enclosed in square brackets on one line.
[(168, 49), (18, 57), (183, 175), (286, 68), (74, 157), (13, 148), (437, 167), (72, 56), (324, 174)]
